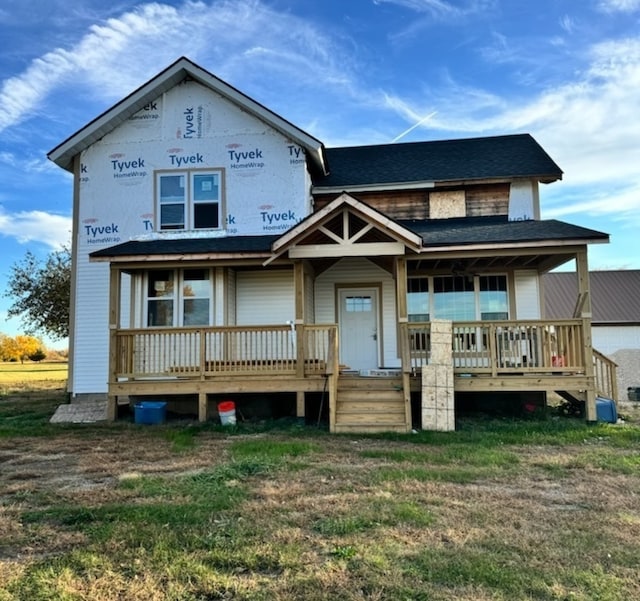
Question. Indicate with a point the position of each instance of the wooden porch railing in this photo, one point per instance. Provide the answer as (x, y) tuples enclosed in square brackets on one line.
[(231, 350), (503, 347), (606, 376)]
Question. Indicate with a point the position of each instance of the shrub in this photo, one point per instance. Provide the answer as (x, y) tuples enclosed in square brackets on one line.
[(39, 355)]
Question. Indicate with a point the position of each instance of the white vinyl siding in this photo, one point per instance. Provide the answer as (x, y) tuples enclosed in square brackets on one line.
[(264, 297), (309, 306), (527, 293), (90, 346), (609, 339), (126, 307), (231, 298)]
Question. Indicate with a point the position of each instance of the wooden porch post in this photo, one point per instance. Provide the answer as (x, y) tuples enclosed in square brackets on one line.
[(403, 318), (333, 372), (114, 323), (298, 282), (584, 294), (202, 406)]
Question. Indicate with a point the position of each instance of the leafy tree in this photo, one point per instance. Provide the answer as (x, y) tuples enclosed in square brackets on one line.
[(20, 348), (41, 293), (8, 348), (26, 346)]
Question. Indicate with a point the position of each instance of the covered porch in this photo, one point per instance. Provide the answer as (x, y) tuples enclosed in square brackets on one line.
[(514, 349)]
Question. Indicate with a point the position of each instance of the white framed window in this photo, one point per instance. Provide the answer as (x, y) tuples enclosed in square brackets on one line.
[(493, 297), (179, 297), (358, 304), (418, 299), (454, 298), (458, 298), (189, 199)]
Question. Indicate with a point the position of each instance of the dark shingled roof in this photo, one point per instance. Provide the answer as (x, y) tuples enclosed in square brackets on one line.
[(434, 232), (615, 296), (490, 230), (437, 161), (186, 246)]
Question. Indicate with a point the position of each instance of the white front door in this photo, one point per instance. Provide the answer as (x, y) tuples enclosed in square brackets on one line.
[(358, 323)]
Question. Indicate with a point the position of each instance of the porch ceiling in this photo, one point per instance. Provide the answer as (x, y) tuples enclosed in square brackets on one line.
[(471, 265)]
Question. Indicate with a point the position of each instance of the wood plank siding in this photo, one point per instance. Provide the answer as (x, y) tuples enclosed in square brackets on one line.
[(480, 200)]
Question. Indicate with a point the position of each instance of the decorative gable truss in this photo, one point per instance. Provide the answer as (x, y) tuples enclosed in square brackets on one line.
[(346, 227)]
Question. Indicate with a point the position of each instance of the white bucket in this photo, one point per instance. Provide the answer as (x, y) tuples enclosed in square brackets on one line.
[(227, 412)]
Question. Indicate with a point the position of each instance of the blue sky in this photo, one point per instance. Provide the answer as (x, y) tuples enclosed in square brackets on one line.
[(347, 72)]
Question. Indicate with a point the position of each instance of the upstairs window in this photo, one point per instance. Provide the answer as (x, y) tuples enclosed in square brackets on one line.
[(189, 200)]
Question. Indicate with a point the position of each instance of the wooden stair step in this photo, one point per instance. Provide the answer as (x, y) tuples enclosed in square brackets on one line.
[(368, 407), (370, 384), (378, 420), (370, 396), (368, 429)]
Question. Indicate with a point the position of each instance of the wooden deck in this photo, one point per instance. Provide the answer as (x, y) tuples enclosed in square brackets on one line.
[(536, 355), (532, 355)]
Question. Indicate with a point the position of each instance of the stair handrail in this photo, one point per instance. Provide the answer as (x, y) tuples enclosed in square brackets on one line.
[(606, 372)]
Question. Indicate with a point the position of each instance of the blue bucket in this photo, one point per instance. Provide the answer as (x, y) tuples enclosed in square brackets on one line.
[(606, 410)]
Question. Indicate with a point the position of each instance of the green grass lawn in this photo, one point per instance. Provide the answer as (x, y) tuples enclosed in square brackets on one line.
[(31, 376), (500, 510)]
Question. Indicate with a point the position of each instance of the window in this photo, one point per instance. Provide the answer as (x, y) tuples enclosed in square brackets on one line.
[(458, 298), (189, 200), (358, 304), (494, 302), (196, 297), (160, 294), (418, 299), (179, 297), (454, 298)]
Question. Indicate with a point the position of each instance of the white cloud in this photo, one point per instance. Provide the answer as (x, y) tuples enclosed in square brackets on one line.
[(437, 7), (568, 24), (624, 6), (619, 204), (589, 125), (117, 56), (440, 8), (39, 226), (29, 165), (434, 12)]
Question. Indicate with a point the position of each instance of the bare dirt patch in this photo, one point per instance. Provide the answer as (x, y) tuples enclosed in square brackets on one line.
[(75, 462)]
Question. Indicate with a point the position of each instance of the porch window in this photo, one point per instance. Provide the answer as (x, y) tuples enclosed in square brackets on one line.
[(494, 301), (179, 297), (196, 297), (458, 298), (418, 299), (189, 200), (454, 298)]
